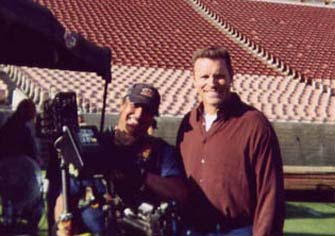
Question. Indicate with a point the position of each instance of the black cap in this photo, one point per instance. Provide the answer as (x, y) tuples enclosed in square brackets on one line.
[(145, 94)]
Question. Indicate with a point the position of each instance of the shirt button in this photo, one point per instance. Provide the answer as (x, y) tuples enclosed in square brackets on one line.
[(201, 180), (202, 161)]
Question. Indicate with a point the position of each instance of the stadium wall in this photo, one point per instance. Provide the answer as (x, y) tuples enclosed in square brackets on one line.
[(302, 144)]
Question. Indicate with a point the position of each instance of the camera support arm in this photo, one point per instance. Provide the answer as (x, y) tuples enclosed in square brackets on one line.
[(66, 214)]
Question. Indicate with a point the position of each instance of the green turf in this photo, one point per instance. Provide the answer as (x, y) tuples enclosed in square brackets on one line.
[(302, 219), (43, 225), (309, 219)]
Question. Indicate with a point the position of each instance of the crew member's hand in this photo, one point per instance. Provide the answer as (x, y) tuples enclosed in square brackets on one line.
[(64, 228)]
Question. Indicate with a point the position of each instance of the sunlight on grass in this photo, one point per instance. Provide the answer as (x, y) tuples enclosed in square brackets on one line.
[(309, 219), (302, 219), (43, 225)]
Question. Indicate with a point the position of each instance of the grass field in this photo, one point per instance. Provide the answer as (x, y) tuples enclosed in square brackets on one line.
[(309, 219), (302, 219)]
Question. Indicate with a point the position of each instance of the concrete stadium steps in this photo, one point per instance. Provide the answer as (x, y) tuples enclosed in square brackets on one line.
[(280, 98)]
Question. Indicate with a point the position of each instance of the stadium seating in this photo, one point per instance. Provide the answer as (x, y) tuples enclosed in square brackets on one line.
[(297, 34), (281, 53), (280, 98)]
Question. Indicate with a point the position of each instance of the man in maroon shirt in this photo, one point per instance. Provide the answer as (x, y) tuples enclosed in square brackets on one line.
[(231, 156)]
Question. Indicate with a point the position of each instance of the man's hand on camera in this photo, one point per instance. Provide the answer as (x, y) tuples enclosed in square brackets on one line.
[(64, 228)]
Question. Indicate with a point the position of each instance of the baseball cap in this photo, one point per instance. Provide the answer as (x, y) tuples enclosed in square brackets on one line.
[(145, 94)]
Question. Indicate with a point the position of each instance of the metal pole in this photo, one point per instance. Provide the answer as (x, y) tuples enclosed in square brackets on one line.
[(66, 214), (107, 76), (104, 107)]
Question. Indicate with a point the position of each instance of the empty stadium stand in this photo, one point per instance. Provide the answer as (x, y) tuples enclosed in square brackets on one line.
[(282, 56), (280, 98), (300, 36)]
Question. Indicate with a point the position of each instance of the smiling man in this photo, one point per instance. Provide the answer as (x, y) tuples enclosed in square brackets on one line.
[(137, 113), (231, 156), (160, 170), (142, 168)]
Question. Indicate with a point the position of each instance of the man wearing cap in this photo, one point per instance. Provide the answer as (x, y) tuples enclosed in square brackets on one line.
[(141, 167)]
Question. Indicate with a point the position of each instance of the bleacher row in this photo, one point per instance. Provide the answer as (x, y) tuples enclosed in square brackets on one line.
[(284, 34), (152, 41), (309, 178), (280, 98), (265, 53), (284, 99), (160, 33), (40, 84)]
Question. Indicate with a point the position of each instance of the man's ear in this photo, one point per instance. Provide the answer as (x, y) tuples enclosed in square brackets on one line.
[(192, 75), (231, 79)]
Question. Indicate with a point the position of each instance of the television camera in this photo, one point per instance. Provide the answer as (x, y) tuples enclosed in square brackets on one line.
[(79, 148), (147, 220)]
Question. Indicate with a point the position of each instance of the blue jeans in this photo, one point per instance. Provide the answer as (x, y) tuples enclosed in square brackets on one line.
[(92, 219)]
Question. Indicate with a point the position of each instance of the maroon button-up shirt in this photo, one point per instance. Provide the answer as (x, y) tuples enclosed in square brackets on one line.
[(237, 165)]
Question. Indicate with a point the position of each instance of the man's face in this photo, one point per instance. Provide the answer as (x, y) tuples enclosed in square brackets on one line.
[(212, 80), (134, 119)]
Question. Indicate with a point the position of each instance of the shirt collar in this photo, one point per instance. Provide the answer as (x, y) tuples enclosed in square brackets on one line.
[(226, 110)]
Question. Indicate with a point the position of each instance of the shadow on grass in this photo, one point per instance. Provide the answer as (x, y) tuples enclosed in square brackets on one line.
[(321, 193), (293, 211)]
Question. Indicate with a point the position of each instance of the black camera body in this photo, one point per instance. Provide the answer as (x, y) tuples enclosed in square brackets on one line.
[(58, 112), (82, 151)]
